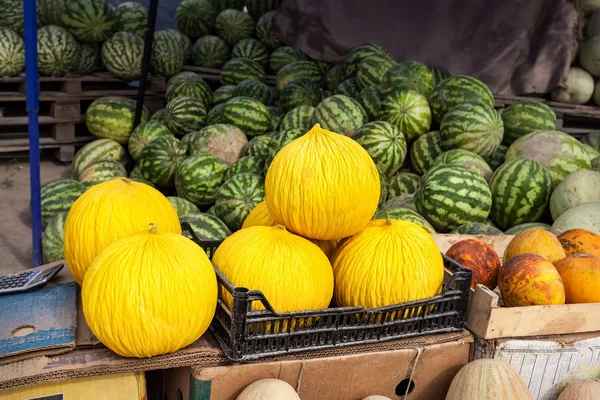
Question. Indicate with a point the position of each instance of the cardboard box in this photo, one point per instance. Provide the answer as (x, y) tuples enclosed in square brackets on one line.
[(432, 365), (131, 386)]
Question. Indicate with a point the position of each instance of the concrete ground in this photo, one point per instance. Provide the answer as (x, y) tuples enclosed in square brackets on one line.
[(15, 235)]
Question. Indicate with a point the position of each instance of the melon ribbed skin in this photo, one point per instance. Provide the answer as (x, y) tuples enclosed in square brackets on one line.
[(526, 117), (196, 18), (206, 226), (122, 55), (184, 114), (285, 55), (101, 149), (160, 159), (238, 69), (131, 17), (424, 151), (198, 178), (12, 53), (89, 20), (237, 196), (251, 49), (233, 26), (52, 239), (58, 51), (210, 52), (385, 144), (300, 117), (58, 196), (250, 115), (408, 75), (339, 114), (456, 90), (265, 34), (408, 111), (466, 159)]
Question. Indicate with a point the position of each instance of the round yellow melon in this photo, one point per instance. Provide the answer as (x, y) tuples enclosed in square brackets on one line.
[(269, 389), (259, 216), (388, 262), (328, 246), (581, 390), (293, 273), (322, 186), (109, 211), (488, 379), (150, 293)]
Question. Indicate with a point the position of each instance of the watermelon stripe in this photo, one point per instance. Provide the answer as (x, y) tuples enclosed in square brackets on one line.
[(102, 149), (424, 151), (184, 114), (466, 159), (409, 111), (522, 118), (339, 114), (206, 226), (237, 197), (238, 69), (300, 117), (385, 144), (89, 20), (457, 90), (405, 214), (198, 178), (102, 171), (250, 115), (160, 159), (122, 55)]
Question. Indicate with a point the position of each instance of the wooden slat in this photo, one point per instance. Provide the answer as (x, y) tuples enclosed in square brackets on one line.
[(22, 144), (43, 120)]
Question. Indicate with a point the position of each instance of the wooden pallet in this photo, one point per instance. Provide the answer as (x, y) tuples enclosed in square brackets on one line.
[(214, 75)]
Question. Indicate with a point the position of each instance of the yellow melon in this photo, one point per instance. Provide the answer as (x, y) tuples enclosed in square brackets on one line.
[(259, 216)]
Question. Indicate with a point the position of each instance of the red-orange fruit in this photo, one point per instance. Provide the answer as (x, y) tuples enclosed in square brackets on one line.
[(480, 258), (580, 241), (581, 277)]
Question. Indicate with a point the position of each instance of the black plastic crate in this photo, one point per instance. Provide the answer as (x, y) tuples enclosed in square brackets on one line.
[(245, 334)]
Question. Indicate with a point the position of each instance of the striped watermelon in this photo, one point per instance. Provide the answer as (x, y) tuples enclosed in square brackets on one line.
[(131, 17), (497, 157), (89, 20), (12, 15), (596, 164), (89, 58), (408, 75), (233, 26), (283, 138), (221, 140), (405, 214), (211, 211), (221, 5), (223, 94), (111, 117), (101, 149), (521, 227), (300, 117), (403, 183), (254, 90), (122, 55), (560, 153), (182, 206), (58, 196), (249, 164), (167, 54), (184, 114), (189, 85), (52, 238), (301, 92), (195, 18), (358, 54), (385, 144), (521, 192), (184, 41), (297, 70), (136, 173), (210, 52), (159, 116), (408, 111), (256, 8), (591, 152), (198, 178), (58, 51), (250, 115), (457, 90), (143, 134), (452, 195), (349, 88), (476, 228), (339, 114), (424, 151), (402, 201), (372, 69), (276, 117), (265, 34), (592, 139), (370, 99), (467, 159), (251, 49), (12, 53), (526, 117), (102, 171), (206, 226), (474, 127), (215, 115), (258, 146), (237, 197), (439, 74), (383, 187), (284, 56), (335, 76), (238, 69)]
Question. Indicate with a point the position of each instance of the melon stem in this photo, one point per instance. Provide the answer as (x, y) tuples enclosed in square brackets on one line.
[(152, 227)]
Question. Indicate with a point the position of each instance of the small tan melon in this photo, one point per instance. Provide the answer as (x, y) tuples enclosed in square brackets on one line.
[(581, 390), (269, 389)]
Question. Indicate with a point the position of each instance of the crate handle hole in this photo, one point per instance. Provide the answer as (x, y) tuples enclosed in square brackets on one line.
[(404, 385)]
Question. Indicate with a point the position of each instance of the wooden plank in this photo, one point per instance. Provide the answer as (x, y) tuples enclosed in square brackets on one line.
[(43, 120), (22, 144)]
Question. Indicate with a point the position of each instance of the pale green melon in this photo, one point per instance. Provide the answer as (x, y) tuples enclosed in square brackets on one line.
[(577, 188), (584, 216), (579, 90)]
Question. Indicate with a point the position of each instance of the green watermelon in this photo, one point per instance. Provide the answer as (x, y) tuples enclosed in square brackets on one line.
[(52, 238), (372, 69), (408, 111), (136, 173), (184, 114), (233, 26), (237, 197), (474, 127), (408, 75), (560, 153), (439, 74), (457, 90), (250, 115), (349, 88), (402, 201), (210, 52), (223, 94), (206, 226), (12, 15), (403, 183), (335, 76), (280, 139), (221, 5), (358, 54), (249, 164), (497, 157), (122, 55), (370, 99), (58, 51), (265, 34), (190, 85), (521, 191), (258, 146), (521, 227), (89, 20), (58, 196), (12, 53), (215, 115), (160, 159), (101, 149), (268, 161), (143, 134), (383, 187), (89, 58), (301, 92), (405, 214), (167, 54), (452, 195), (256, 8), (251, 49), (221, 140), (385, 144), (476, 228), (254, 90), (102, 171), (131, 17), (424, 151), (467, 159), (592, 139), (111, 117), (276, 117), (184, 41), (198, 178), (195, 18), (339, 114), (297, 70), (284, 56), (300, 117), (158, 116), (211, 211), (591, 152), (526, 117), (182, 206), (238, 69)]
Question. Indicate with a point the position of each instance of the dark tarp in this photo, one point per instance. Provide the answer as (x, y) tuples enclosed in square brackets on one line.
[(515, 46)]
